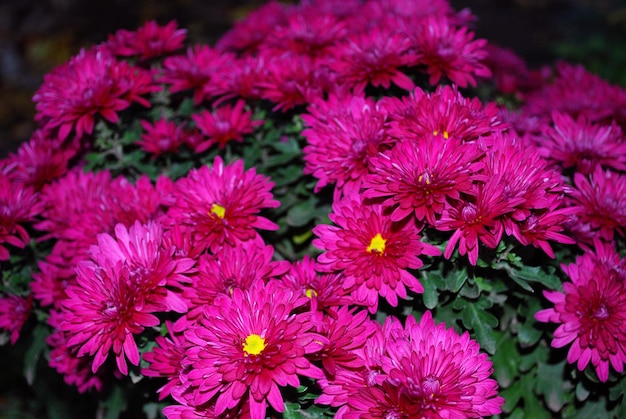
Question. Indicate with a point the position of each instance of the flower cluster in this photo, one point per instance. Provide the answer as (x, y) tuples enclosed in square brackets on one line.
[(247, 223)]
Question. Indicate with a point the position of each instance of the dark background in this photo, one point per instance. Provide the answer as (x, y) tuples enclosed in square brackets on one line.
[(36, 35)]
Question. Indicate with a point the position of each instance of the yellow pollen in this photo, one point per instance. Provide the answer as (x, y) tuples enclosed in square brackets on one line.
[(254, 345), (310, 293), (445, 134), (377, 244), (218, 210)]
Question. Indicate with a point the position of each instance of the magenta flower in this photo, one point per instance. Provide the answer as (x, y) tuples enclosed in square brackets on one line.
[(476, 219), (14, 311), (19, 204), (371, 251), (222, 204), (450, 51), (91, 84), (247, 345), (591, 313), (375, 57), (149, 41), (224, 124), (343, 134), (161, 137), (165, 360), (583, 145), (601, 197), (419, 177), (201, 68), (442, 373)]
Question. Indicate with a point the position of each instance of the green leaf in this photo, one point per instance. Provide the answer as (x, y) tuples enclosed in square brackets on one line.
[(455, 281), (474, 316), (550, 384), (301, 214), (506, 360), (32, 355), (431, 295), (114, 404)]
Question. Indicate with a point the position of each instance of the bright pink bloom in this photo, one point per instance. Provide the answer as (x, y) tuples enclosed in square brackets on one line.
[(222, 204), (601, 197), (165, 360), (201, 68), (224, 124), (420, 176), (444, 112), (477, 218), (14, 311), (161, 137), (373, 57), (442, 373), (232, 267), (591, 313), (91, 84), (149, 41), (343, 134), (583, 145), (19, 204), (49, 284), (449, 51), (247, 345), (372, 252), (324, 290), (39, 161)]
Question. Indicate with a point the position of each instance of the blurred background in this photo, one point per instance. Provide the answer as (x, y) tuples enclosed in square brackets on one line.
[(36, 35)]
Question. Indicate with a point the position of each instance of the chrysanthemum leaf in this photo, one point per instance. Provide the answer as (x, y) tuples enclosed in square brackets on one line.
[(475, 317), (31, 357), (550, 384), (506, 360)]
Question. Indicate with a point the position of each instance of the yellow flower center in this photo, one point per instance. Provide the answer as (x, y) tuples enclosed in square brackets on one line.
[(254, 344), (377, 245), (218, 210), (445, 134), (310, 293)]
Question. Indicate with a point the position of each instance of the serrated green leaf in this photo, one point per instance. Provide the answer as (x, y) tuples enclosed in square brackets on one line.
[(455, 280), (474, 316), (550, 384), (430, 295), (292, 411), (302, 213), (505, 360)]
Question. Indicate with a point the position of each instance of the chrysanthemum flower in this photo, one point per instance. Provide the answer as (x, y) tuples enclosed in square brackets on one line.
[(50, 282), (477, 218), (222, 204), (224, 124), (373, 57), (372, 252), (449, 51), (601, 197), (201, 68), (324, 290), (19, 204), (510, 73), (161, 137), (343, 134), (445, 112), (583, 145), (39, 161), (443, 374), (232, 267), (165, 360), (591, 315), (14, 311), (247, 345), (149, 41), (91, 84), (417, 177), (242, 79)]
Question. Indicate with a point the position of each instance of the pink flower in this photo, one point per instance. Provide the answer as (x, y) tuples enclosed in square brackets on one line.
[(601, 197), (476, 218), (149, 41), (343, 134), (91, 84), (442, 373), (19, 204), (247, 345), (201, 68), (224, 124), (161, 137), (449, 51), (165, 360), (222, 204), (14, 311), (583, 145), (373, 57), (591, 313), (371, 251), (420, 176)]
